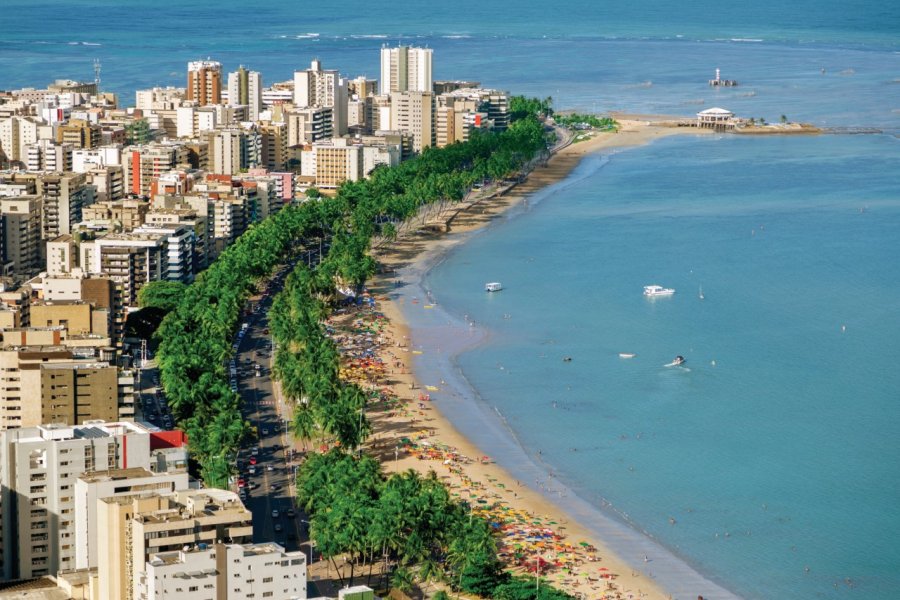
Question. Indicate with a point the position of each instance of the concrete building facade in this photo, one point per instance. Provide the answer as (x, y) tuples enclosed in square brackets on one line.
[(204, 82), (232, 571), (406, 69), (413, 113), (38, 469), (324, 88), (140, 526)]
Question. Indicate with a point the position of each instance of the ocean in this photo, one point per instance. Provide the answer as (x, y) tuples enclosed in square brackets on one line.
[(774, 449), (771, 448)]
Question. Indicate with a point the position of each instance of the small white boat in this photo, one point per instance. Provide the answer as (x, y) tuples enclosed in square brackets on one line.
[(701, 292), (657, 290), (495, 286), (627, 354)]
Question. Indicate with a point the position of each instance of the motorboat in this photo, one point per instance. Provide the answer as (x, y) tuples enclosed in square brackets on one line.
[(652, 291), (495, 286), (627, 355)]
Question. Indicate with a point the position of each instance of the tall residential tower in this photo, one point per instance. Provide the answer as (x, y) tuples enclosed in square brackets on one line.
[(406, 69), (204, 82), (322, 88), (245, 89)]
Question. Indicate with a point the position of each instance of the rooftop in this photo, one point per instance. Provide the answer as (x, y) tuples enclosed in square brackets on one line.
[(115, 475)]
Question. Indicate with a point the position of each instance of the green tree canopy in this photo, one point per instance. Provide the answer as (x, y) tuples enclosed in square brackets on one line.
[(164, 295)]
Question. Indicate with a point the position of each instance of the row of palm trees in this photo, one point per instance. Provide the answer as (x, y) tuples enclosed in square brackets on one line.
[(404, 524)]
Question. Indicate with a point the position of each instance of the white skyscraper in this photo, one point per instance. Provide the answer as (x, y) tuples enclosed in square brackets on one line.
[(406, 69), (323, 88)]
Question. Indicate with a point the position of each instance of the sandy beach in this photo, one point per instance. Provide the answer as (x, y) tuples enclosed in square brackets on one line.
[(410, 433)]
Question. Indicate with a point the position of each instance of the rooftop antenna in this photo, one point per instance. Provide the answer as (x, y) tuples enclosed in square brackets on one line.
[(97, 74)]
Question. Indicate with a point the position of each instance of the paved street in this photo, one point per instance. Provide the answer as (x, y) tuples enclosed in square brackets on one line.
[(270, 481)]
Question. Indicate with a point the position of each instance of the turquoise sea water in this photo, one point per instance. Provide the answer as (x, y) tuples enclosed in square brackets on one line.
[(773, 449), (785, 447)]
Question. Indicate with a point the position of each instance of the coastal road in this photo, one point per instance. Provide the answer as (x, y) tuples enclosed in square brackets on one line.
[(272, 484), (270, 479)]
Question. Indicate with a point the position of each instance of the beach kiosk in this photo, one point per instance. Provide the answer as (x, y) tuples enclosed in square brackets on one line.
[(715, 118)]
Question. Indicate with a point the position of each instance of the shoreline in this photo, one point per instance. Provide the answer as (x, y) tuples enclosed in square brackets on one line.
[(398, 289)]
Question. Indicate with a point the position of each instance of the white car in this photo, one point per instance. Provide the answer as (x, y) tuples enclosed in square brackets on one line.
[(275, 514)]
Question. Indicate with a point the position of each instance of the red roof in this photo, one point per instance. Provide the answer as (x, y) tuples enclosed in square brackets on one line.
[(167, 439)]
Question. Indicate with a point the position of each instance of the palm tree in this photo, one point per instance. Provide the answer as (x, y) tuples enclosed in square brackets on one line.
[(402, 579), (430, 571)]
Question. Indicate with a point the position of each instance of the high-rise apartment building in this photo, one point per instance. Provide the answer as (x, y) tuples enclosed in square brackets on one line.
[(16, 133), (273, 145), (50, 383), (108, 182), (130, 259), (324, 88), (245, 88), (413, 113), (64, 196), (61, 255), (22, 234), (47, 155), (333, 162), (145, 163), (406, 69), (204, 82), (180, 248), (38, 470), (200, 227), (191, 120), (79, 133), (233, 149), (308, 125)]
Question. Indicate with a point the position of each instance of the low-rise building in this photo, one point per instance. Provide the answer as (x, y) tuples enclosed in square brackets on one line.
[(140, 526), (232, 571), (93, 486)]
